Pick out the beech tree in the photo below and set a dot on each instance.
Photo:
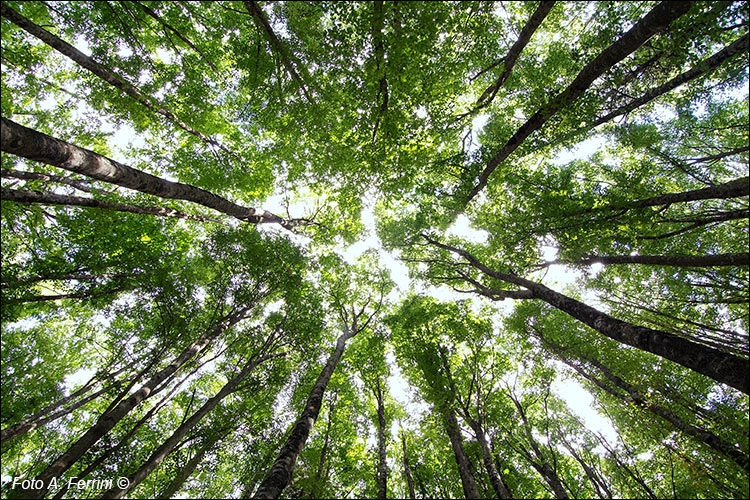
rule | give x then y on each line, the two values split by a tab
376	249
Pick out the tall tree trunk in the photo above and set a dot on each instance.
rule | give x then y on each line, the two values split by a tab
468	482
22	141
704	67
656	20
28	424
162	451
407	468
279	474
40	198
635	397
36	176
536	458
719	260
187	470
732	189
326	440
501	490
108	76
264	26
382	463
720	366
509	61
109	419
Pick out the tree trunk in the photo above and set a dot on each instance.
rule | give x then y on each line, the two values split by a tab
721	366
279	474
162	451
187	470
36	176
702	68
498	485
382	463
719	260
265	27
732	189
28	143
509	61
407	469
109	419
538	460
87	62
324	451
636	398
38	197
464	466
656	20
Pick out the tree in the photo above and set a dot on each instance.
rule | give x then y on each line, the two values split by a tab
202	202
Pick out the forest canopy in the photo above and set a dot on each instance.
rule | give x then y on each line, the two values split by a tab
375	249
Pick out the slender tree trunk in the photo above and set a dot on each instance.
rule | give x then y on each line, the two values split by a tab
109	419
279	474
124	441
38	197
76	295
407	468
36	176
468	482
28	143
704	67
723	367
719	260
264	26
600	486
108	76
732	189
636	398
31	423
187	470
656	20
382	463
509	61
324	451
162	451
498	485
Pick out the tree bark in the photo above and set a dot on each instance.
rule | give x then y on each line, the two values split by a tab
509	61
656	20
704	67
636	398
38	197
501	490
719	260
162	451
87	62
187	470
382	463
732	189
720	366
36	176
279	474
468	482
109	419
264	26
22	141
407	468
